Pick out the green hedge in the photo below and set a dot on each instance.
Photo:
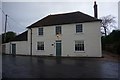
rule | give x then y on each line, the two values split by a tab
112	42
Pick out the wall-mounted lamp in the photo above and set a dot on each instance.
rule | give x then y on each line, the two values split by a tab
58	35
53	44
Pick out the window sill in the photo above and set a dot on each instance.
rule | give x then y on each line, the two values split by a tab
58	35
79	33
41	50
79	51
41	35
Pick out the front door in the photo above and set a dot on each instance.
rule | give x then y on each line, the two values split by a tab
58	48
13	49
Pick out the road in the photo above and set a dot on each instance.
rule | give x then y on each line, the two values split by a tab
0	66
51	67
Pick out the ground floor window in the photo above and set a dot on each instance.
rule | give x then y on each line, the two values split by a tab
40	45
79	45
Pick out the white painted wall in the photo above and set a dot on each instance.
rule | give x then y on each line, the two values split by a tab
91	35
7	48
21	47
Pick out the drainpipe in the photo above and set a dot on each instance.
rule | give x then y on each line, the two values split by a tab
10	49
30	41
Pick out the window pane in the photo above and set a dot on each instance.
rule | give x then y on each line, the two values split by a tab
79	45
79	28
40	30
40	46
58	30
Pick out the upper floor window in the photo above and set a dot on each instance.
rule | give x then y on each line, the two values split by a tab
40	31
79	28
58	30
79	45
40	45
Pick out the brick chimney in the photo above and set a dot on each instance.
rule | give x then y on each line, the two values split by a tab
95	10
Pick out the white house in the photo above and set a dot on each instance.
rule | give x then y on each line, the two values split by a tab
72	34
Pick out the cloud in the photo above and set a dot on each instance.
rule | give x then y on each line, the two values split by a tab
26	13
59	0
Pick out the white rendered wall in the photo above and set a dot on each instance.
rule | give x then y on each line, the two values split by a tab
91	35
21	47
7	48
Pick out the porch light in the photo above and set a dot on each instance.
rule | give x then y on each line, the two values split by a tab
58	35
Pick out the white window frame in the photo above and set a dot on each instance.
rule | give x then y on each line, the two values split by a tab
40	46
82	43
56	30
39	31
81	28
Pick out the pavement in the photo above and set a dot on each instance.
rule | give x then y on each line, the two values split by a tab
52	67
0	66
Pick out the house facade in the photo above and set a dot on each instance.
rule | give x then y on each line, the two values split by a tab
78	39
71	35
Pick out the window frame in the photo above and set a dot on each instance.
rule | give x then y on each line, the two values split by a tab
81	45
59	30
40	47
79	28
39	31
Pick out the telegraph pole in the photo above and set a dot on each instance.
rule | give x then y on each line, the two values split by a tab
5	27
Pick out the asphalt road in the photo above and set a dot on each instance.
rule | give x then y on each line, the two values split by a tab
51	67
0	66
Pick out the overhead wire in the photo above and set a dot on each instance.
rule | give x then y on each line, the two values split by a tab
18	24
15	21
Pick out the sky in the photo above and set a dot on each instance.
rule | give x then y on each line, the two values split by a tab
119	15
23	14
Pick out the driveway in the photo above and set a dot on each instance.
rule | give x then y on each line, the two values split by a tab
51	67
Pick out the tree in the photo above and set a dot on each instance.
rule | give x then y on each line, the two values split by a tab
108	22
9	36
111	42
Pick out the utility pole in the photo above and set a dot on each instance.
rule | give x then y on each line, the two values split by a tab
5	27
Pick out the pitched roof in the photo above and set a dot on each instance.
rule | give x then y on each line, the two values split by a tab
67	18
21	37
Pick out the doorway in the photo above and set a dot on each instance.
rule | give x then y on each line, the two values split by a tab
14	49
58	47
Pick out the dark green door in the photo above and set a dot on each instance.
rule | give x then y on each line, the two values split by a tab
13	49
58	48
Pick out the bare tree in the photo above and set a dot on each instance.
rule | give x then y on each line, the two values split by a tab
108	22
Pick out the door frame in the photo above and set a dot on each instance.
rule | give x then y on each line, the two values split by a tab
13	53
58	42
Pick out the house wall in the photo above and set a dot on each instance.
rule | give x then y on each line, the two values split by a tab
21	47
91	36
6	48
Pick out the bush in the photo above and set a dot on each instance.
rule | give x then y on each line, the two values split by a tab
111	42
116	47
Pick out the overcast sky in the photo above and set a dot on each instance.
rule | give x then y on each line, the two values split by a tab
26	13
